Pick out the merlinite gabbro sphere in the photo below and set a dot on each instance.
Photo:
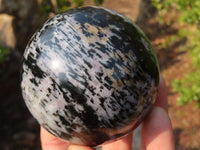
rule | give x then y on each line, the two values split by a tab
89	75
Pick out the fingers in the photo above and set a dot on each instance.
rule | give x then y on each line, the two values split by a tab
157	131
156	134
123	144
50	142
78	147
161	99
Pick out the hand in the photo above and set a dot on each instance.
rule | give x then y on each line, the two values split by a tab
156	131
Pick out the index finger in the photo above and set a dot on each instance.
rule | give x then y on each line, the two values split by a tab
161	99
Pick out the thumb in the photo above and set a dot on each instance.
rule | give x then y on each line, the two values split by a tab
157	131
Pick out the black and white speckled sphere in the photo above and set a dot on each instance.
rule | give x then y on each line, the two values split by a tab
89	75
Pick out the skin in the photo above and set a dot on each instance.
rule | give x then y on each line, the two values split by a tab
157	131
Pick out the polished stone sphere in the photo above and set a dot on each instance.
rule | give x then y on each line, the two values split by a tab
89	76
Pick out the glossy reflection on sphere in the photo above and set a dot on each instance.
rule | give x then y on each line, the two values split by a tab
89	76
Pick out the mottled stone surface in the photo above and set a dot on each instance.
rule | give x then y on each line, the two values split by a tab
89	75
